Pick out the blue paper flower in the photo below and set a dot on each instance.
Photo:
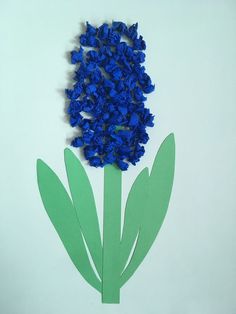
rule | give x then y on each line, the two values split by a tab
106	102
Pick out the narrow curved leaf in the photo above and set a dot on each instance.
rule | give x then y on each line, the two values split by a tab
160	186
83	200
135	208
63	216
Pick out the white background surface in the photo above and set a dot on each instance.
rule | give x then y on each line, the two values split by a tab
191	58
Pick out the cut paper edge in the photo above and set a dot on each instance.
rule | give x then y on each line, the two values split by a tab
111	235
84	203
131	253
134	211
63	216
160	187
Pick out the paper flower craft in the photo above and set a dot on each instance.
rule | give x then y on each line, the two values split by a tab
106	105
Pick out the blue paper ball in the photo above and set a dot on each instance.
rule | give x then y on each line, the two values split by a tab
107	100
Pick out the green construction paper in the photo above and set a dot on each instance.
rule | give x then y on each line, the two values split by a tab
76	221
133	215
84	203
111	235
159	191
64	218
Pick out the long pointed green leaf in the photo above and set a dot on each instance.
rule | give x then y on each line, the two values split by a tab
160	186
83	200
133	215
63	216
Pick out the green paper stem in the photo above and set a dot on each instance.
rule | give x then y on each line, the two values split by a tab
111	235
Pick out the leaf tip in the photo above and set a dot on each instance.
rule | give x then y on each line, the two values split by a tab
168	143
171	137
145	171
39	163
67	152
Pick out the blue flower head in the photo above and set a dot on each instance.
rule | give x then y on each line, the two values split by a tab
106	102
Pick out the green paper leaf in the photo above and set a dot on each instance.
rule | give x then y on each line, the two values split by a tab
64	218
134	211
83	200
160	186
